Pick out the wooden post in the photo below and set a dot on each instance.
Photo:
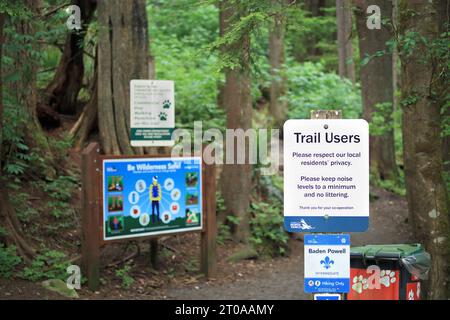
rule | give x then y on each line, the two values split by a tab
90	241
208	257
154	253
327	114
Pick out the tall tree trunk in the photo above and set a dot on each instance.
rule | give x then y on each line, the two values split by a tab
236	178
62	91
122	56
314	6
344	39
395	62
278	104
377	87
222	25
8	218
424	85
2	24
25	91
443	14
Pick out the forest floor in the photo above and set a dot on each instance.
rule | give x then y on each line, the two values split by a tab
178	278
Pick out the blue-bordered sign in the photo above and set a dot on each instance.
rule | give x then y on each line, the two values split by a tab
151	196
327	296
326	175
327	263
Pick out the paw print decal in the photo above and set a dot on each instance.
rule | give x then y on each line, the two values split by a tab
387	277
166	104
359	284
162	116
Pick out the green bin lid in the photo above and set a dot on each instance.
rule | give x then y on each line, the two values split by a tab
386	251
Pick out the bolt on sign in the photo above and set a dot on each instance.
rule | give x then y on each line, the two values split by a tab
151	196
327	263
152	114
326	175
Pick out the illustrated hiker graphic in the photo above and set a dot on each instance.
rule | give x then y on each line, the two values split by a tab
116	224
155	198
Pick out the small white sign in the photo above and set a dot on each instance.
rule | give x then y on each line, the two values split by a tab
326	175
152	114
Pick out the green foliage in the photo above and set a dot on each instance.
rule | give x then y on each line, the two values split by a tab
397	187
220	202
311	38
25	210
178	46
16	156
381	122
9	260
234	220
224	233
60	191
268	234
61	188
14	8
50	264
61	146
310	87
124	276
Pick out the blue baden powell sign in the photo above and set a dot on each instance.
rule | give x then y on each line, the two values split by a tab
326	175
327	263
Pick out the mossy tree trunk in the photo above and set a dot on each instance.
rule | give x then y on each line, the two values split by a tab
344	39
62	91
122	56
237	101
278	103
10	228
377	87
424	86
25	91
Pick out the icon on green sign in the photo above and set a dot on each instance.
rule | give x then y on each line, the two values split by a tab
166	104
162	116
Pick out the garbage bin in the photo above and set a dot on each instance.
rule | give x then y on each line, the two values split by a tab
387	272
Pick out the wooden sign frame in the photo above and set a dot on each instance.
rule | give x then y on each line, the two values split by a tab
92	215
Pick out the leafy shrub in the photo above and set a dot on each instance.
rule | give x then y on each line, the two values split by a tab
9	260
25	210
310	87
397	187
51	264
124	276
268	234
61	190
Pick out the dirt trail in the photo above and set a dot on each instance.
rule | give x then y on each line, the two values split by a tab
283	278
280	278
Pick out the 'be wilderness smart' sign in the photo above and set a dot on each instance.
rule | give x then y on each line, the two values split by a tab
326	175
151	196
